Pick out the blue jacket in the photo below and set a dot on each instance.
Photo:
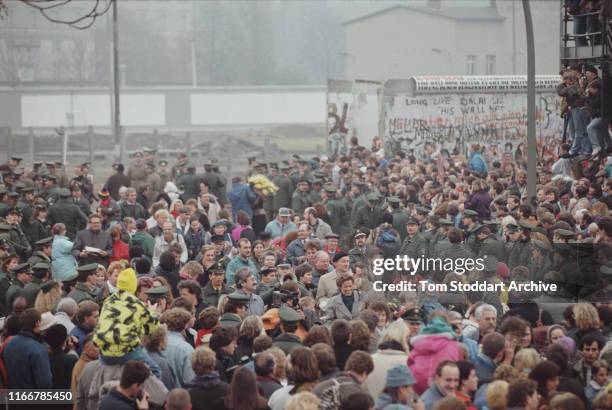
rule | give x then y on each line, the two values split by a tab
477	163
237	263
27	363
241	197
277	230
64	264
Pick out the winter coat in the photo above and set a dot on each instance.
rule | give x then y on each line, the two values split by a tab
480	202
383	361
145	241
336	309
242	196
477	163
124	320
205	389
432	345
61	364
64	264
27	363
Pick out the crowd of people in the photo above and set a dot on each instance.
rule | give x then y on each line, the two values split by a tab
166	287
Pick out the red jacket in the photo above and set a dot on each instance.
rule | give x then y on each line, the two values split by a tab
121	251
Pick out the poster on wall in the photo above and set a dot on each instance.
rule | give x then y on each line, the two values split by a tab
455	121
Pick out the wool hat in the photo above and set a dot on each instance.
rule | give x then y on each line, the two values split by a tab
400	375
127	281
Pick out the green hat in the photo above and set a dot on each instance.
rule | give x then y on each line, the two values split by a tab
360	232
413	315
491	223
564	233
27	189
239	297
541	245
470	212
163	163
70	278
44	241
41	266
5	227
89	268
22	268
19	186
393	200
64	193
512	227
330	189
490	263
47	285
526	225
412	220
288	315
423	210
372	196
446	222
477	228
158	291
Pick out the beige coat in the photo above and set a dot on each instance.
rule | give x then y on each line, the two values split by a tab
327	286
383	361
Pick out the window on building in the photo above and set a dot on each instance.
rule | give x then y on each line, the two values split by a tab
471	64
490	64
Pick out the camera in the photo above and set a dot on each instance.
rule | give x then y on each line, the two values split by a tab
282	296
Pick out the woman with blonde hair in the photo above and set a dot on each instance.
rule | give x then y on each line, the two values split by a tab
303	401
587	322
392	350
112	273
250	328
175	208
526	360
48	296
497	395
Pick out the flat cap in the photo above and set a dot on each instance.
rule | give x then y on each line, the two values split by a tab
44	241
90	267
339	255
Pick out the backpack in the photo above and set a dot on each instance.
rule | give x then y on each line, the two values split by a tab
332	396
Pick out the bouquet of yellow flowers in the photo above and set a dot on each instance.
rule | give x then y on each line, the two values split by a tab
262	184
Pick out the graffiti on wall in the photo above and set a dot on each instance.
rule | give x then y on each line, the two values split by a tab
454	121
338	122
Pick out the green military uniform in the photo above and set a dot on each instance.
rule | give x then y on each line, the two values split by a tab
5	284
520	252
538	268
37	257
492	246
337	211
16	287
82	292
154	182
190	184
357	204
315	191
137	175
415	246
400	217
230	320
30	291
300	201
287	342
282	197
164	174
67	213
367	217
491	297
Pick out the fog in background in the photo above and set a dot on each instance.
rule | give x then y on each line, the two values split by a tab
234	42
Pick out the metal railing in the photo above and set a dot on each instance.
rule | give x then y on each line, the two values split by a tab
575	46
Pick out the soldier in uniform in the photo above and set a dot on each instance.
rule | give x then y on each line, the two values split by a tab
489	243
86	283
26	205
470	223
359	253
359	197
189	183
211	293
17	237
41	273
136	172
368	216
149	155
79	200
521	250
443	243
42	252
415	245
3	206
235	309
219	187
178	168
153	181
491	297
60	173
282	198
316	191
421	214
287	341
22	275
85	181
337	211
67	213
300	199
302	172
400	216
540	263
164	174
456	249
12	164
50	192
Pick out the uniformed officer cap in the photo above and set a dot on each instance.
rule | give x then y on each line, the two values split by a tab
16	158
360	232
43	242
22	268
445	222
64	193
71	278
288	315
564	233
267	271
412	221
372	197
15	211
330	189
163	163
415	315
47	285
490	263
526	226
239	297
158	291
89	269
541	245
470	212
393	200
512	227
13	194
41	266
